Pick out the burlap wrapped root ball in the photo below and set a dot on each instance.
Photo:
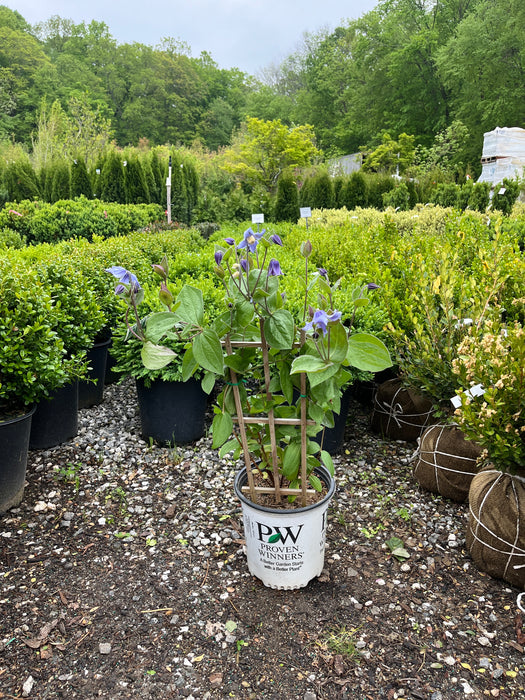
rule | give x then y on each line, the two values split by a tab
496	527
400	413
446	462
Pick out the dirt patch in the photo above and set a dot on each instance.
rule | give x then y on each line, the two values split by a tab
123	576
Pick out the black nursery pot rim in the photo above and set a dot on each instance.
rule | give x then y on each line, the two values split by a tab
28	411
241	479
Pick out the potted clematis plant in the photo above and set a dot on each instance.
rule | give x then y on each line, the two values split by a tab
172	411
282	373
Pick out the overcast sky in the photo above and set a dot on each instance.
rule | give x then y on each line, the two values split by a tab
246	34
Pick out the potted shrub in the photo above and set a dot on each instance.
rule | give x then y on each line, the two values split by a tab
262	353
33	363
172	406
445	306
491	369
77	318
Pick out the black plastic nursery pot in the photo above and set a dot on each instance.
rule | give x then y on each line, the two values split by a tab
14	446
90	393
333	438
171	413
56	419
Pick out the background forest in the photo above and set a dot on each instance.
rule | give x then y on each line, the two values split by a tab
420	78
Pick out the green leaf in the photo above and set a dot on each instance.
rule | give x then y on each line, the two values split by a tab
156	356
286	382
318	377
191	306
228	446
368	353
207	349
274	538
222	427
243	314
158	324
208	382
189	365
279	330
338	342
315	482
291	461
307	363
326	459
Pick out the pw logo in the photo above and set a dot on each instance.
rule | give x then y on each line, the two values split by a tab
272	535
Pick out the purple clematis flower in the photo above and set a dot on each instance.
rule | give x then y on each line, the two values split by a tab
276	239
218	256
229	241
372	285
251	239
244	264
322	272
321	320
274	269
124	277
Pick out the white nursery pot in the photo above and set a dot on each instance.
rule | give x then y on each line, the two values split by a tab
285	548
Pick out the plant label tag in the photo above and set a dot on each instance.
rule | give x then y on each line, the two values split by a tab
476	390
456	401
502	190
306	212
257	218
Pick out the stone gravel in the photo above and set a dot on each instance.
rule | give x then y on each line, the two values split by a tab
123	574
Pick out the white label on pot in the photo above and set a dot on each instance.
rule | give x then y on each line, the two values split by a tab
285	552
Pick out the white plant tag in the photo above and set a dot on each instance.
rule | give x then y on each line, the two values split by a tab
257	218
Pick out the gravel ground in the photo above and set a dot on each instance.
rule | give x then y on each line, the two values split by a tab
123	575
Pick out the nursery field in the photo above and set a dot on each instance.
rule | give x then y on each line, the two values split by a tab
123	571
124	576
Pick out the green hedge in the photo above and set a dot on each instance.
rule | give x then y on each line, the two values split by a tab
40	222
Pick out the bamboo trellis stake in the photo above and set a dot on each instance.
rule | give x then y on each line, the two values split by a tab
271	421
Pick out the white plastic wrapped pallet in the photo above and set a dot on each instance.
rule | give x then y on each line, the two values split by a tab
503	154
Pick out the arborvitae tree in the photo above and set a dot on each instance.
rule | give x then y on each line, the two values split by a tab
338	183
377	185
463	195
159	173
480	196
150	180
135	181
61	185
287	199
112	187
191	179
80	180
322	194
398	197
179	195
305	193
95	177
354	193
45	177
20	181
510	190
445	194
